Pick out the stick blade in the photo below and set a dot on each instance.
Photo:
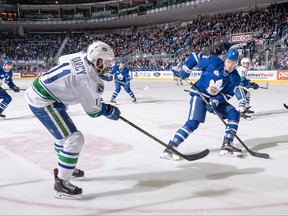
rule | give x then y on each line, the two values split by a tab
260	155
196	156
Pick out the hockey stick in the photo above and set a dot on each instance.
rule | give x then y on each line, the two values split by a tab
286	106
22	89
256	154
190	157
266	87
132	86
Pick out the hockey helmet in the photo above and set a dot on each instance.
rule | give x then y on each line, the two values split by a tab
8	62
121	61
245	60
232	54
99	50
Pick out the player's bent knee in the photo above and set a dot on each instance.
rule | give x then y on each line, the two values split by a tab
74	142
7	98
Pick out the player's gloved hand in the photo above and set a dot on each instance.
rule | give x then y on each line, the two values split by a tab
110	77
16	89
183	74
112	112
248	85
254	85
213	103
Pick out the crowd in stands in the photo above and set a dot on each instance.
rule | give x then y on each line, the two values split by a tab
155	45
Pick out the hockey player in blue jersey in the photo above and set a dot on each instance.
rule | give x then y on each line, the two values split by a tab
121	78
6	77
217	83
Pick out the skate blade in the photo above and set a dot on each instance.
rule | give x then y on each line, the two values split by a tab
230	154
248	119
60	195
74	178
170	158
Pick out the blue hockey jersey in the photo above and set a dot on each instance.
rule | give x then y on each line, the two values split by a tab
121	75
214	81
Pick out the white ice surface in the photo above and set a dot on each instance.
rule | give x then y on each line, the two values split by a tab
124	174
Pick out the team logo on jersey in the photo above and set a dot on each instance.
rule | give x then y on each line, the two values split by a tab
100	88
120	76
216	72
214	87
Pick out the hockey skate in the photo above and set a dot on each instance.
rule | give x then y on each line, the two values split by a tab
113	101
243	115
228	149
248	111
78	174
2	116
134	100
64	189
169	154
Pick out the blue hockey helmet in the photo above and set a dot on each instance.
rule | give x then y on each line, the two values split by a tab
7	62
232	54
121	61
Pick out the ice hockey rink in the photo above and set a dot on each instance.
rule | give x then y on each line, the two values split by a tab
124	173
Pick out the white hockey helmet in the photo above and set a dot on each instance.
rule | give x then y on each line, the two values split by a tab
245	60
100	50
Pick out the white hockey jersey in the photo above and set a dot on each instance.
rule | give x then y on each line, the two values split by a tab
242	71
72	81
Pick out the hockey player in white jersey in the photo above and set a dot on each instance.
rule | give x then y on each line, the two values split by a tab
175	69
75	80
242	93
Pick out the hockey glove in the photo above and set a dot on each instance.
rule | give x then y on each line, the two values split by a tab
245	83
15	89
254	85
112	112
110	77
213	103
